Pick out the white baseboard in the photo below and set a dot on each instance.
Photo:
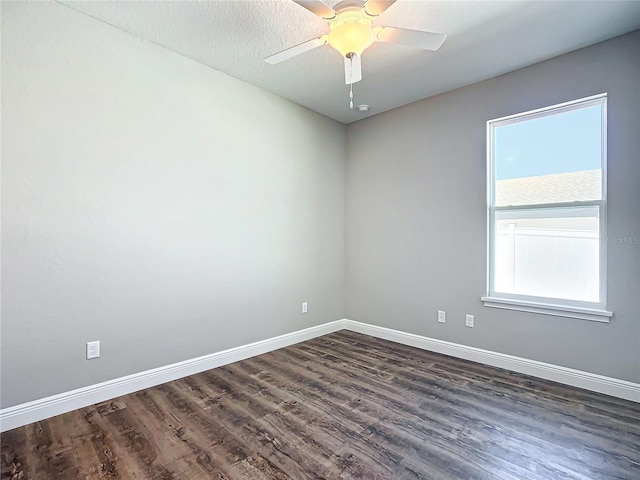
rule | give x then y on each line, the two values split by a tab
568	376
36	410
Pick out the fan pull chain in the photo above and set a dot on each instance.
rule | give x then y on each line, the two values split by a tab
351	97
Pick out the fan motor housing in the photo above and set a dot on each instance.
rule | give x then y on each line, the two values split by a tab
339	7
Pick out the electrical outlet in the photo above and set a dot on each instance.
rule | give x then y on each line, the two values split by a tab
469	321
93	349
304	307
442	317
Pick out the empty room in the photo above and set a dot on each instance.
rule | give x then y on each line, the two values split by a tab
288	239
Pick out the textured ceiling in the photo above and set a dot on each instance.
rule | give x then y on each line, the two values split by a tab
485	39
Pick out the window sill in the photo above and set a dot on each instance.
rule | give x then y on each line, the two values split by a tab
593	314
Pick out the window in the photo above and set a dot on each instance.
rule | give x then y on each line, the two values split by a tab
547	210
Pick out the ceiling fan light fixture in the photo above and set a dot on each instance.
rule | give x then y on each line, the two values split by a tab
352	37
351	31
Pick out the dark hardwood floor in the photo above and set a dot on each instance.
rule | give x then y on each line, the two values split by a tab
343	406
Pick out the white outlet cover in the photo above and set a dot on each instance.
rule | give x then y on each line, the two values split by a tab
93	349
442	316
304	307
469	321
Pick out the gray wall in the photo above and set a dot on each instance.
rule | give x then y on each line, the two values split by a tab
416	219
154	204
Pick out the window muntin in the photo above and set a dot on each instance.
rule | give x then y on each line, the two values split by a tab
546	206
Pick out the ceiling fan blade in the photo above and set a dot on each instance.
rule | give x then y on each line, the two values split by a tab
317	7
352	69
297	50
410	38
373	8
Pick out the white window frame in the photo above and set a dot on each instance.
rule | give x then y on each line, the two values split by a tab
596	311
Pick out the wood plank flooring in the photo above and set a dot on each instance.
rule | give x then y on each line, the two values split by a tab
343	406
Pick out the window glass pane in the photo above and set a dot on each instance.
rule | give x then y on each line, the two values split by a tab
550	159
550	252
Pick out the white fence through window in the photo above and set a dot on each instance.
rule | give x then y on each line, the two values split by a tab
549	263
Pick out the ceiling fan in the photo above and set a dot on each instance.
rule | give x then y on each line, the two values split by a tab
351	32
